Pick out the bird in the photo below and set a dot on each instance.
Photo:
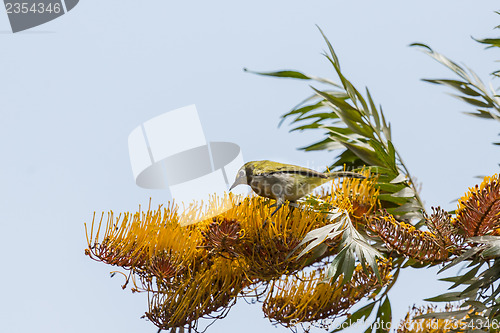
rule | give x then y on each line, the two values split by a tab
284	182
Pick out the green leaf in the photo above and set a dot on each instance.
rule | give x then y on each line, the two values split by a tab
453	279
319	235
366	154
383	154
399	179
492	42
293	75
466	255
348	264
373	111
461	86
410	206
360	314
443	60
330	47
347	158
343	109
404	193
473	101
327	144
390	198
391	188
492	245
443	315
478	305
320	115
283	73
466	278
384	316
303	109
335	268
480	114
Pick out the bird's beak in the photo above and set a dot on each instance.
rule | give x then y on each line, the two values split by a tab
238	181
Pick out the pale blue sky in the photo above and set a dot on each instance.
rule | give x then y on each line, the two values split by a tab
74	88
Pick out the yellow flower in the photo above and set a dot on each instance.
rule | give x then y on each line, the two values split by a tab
148	243
211	290
362	194
198	270
307	299
266	242
429	325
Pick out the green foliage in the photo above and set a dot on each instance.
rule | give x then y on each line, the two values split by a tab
353	245
354	126
469	87
480	284
357	129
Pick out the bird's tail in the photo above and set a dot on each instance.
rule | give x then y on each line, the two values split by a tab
346	174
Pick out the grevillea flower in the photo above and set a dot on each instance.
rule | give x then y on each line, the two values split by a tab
478	210
423	246
267	241
210	290
197	270
193	271
148	243
223	236
430	325
308	299
361	193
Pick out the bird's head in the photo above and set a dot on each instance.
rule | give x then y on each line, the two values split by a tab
244	174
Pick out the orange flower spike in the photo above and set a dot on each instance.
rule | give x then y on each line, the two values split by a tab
362	193
478	210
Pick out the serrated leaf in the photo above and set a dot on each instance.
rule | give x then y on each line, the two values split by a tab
319	235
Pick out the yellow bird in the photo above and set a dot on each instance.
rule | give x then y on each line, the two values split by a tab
282	182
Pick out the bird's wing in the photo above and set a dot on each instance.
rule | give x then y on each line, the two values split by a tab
270	167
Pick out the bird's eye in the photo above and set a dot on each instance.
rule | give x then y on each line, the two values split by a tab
241	173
